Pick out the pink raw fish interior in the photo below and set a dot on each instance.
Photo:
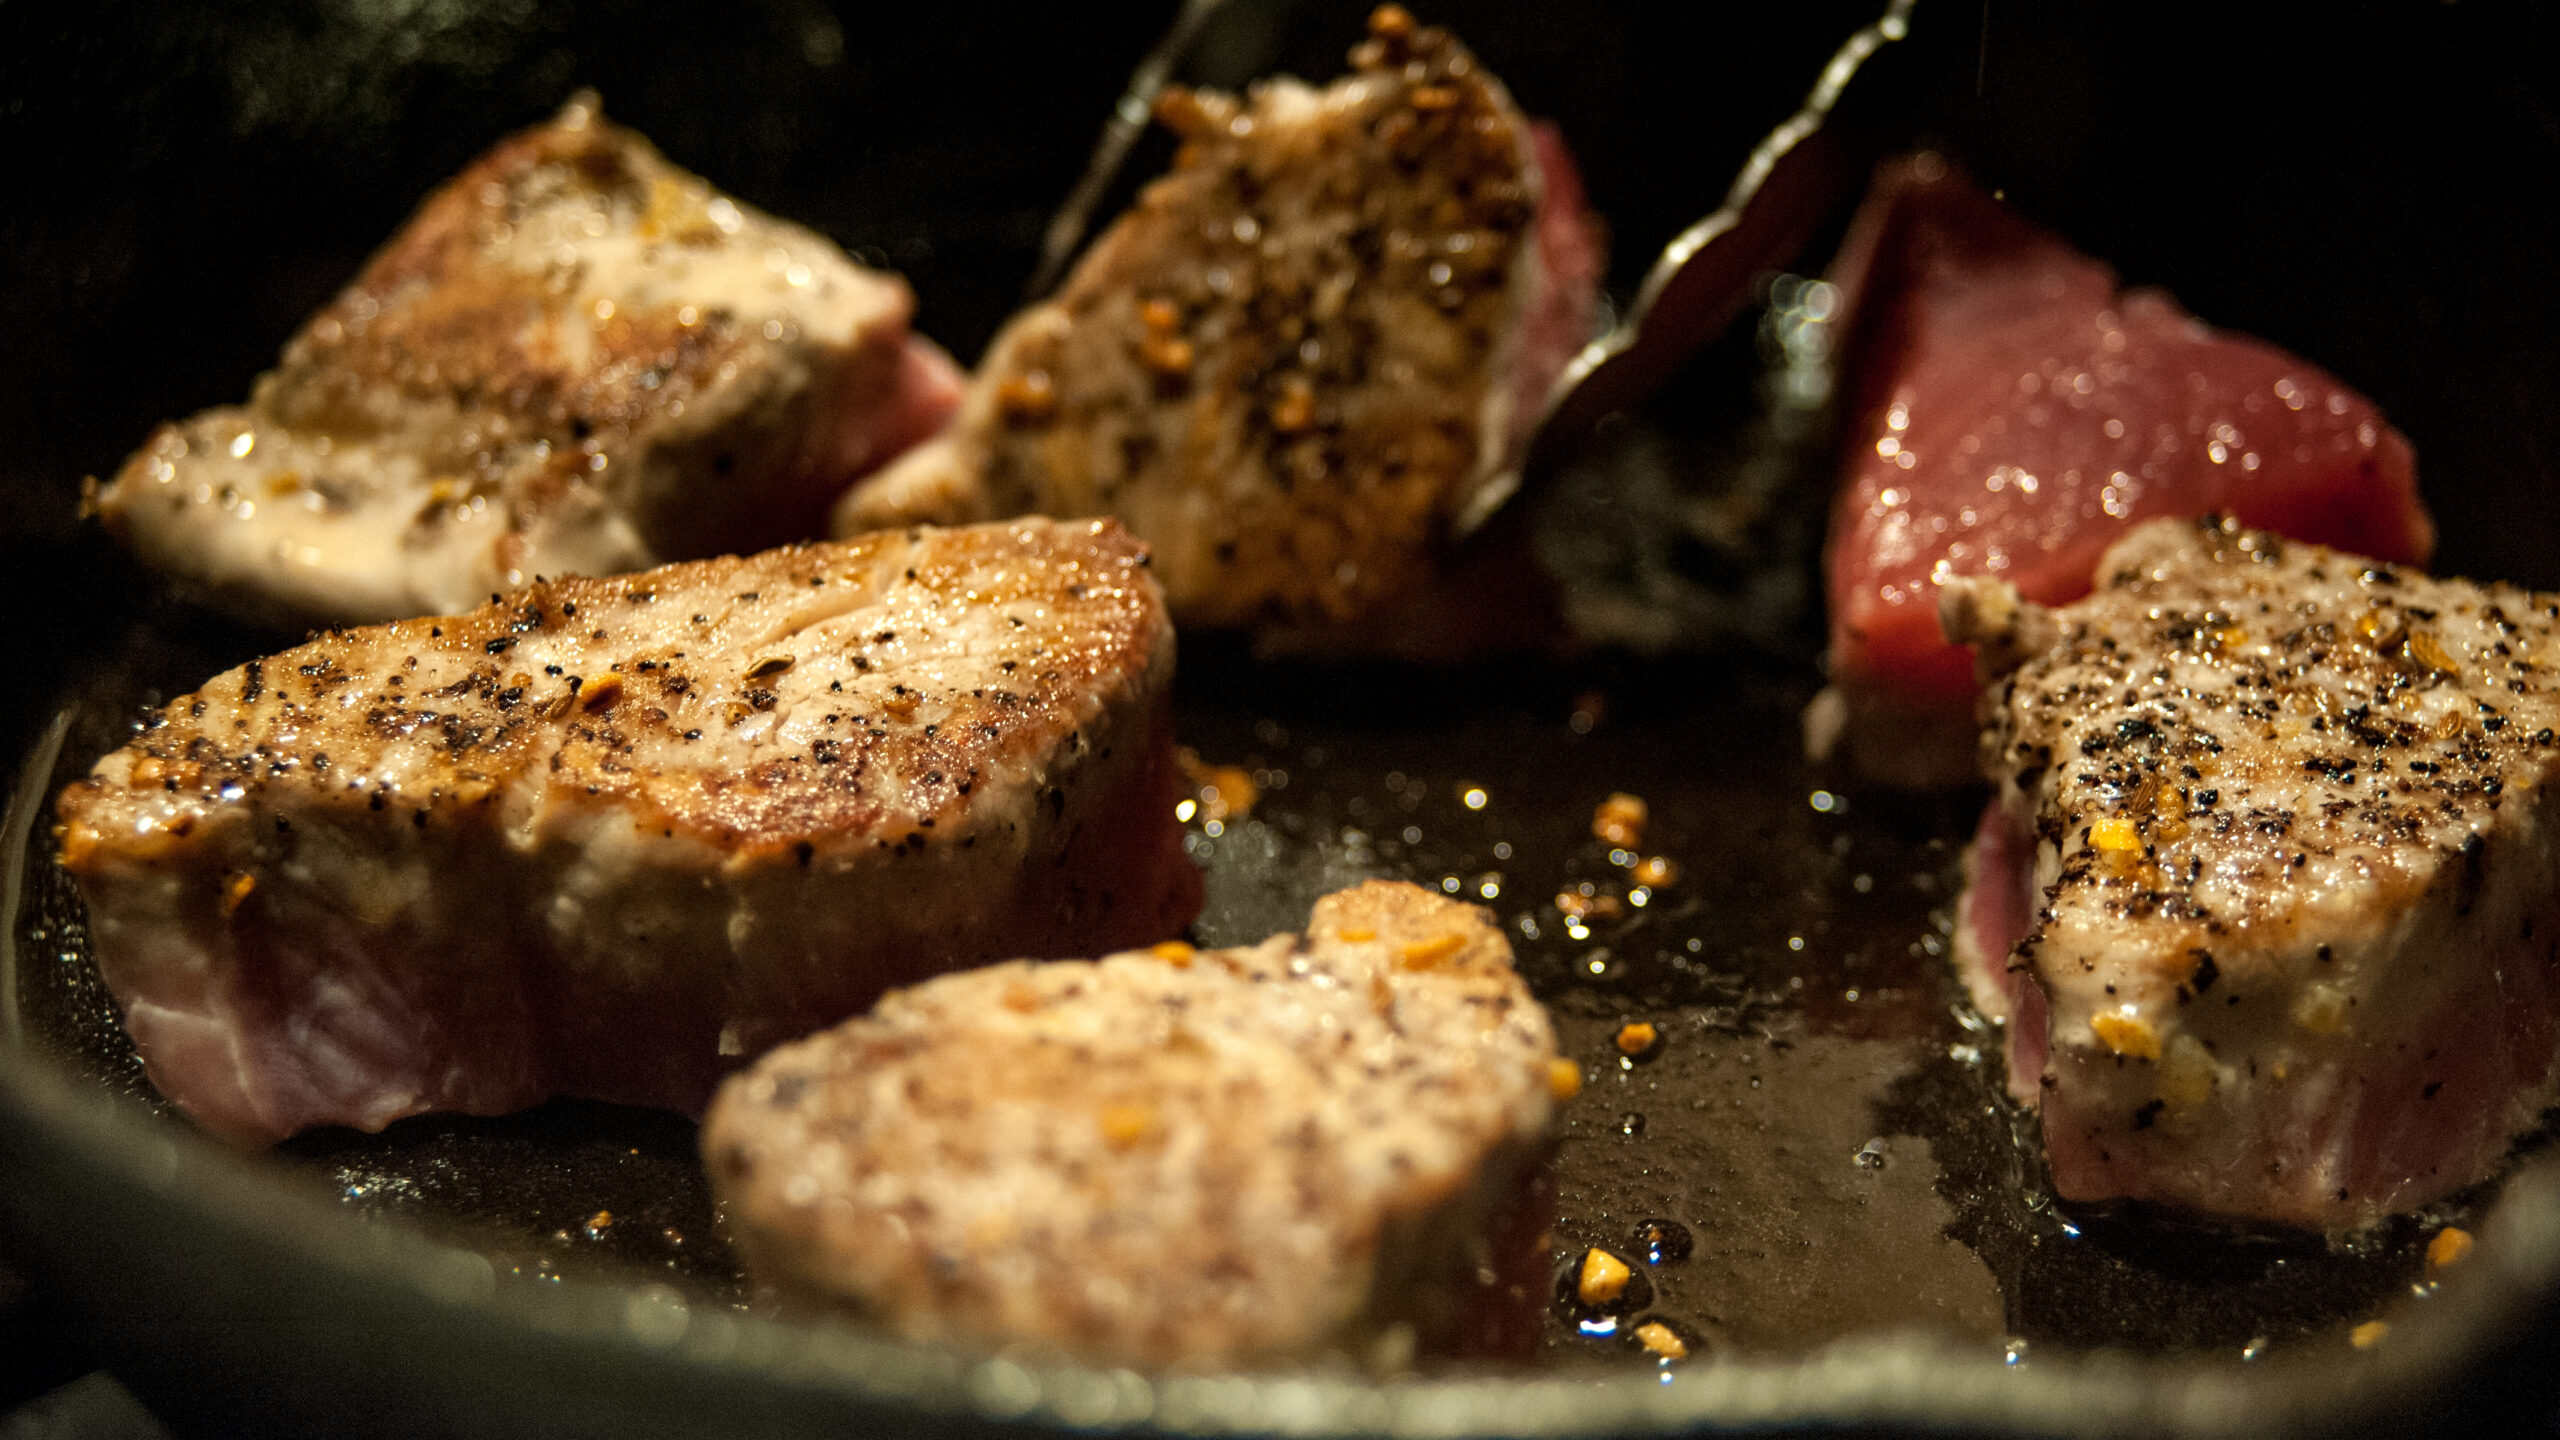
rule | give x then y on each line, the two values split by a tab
2014	413
1571	255
2425	1110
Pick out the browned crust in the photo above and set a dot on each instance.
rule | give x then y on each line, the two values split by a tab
577	389
313	721
1278	365
428	320
2307	699
1236	1179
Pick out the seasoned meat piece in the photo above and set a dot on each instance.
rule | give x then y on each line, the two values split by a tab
576	358
613	837
2012	414
1301	353
1161	1158
2270	893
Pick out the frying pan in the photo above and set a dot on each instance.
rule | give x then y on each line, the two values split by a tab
2373	186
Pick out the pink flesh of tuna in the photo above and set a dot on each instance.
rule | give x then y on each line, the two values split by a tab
2014	413
1571	255
2431	1112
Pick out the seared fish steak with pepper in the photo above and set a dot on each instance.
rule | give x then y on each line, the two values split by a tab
576	358
614	838
2269	896
1301	354
1164	1158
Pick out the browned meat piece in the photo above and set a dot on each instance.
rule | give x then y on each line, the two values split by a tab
614	837
1301	353
2270	894
1161	1158
576	359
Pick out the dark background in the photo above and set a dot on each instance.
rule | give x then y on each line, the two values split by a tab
2373	185
2376	186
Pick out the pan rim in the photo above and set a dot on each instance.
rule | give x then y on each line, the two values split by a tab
57	1127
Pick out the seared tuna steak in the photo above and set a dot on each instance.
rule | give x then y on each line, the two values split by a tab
614	837
1300	354
576	358
1161	1158
2270	893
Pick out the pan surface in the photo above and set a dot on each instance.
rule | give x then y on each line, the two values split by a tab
1869	1241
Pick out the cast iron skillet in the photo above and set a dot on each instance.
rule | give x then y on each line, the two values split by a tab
2374	189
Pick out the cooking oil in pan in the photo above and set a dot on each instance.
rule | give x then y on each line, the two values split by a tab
1789	1129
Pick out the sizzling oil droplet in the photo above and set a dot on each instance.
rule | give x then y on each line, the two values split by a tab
1663	1242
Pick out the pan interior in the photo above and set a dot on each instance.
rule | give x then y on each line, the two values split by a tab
1821	1118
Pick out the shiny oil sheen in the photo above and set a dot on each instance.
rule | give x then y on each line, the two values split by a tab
1818	1111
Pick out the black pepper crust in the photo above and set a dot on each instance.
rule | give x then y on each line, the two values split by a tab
1285	367
665	694
614	837
573	357
1173	1158
2275	839
2251	706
